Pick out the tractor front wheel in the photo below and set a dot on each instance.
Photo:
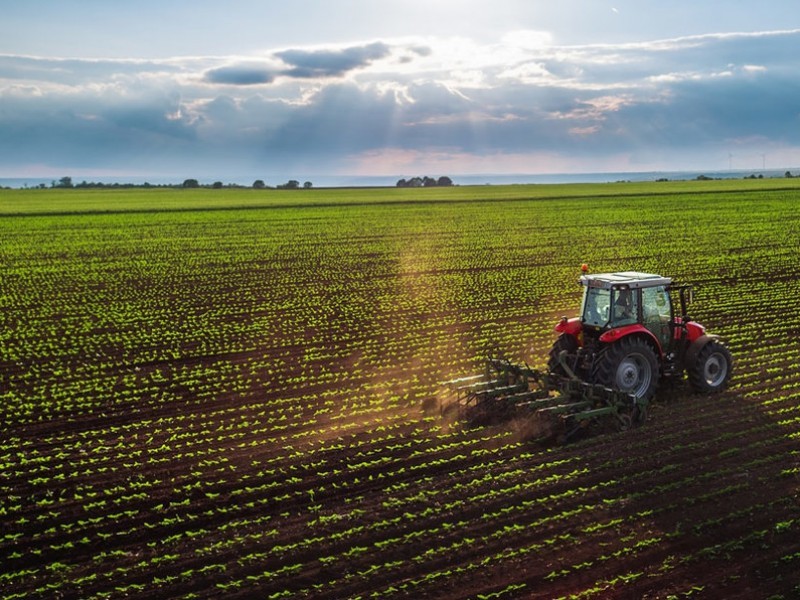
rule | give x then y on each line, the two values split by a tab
629	365
711	371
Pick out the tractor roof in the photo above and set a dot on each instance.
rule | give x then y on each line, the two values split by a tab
631	279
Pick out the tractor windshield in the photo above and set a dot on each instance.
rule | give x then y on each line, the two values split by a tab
596	303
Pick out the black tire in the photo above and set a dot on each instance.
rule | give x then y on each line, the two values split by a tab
711	371
629	365
567	342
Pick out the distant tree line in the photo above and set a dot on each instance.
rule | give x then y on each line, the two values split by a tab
751	176
414	182
258	184
787	175
293	184
66	182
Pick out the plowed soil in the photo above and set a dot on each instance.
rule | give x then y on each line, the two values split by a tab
246	405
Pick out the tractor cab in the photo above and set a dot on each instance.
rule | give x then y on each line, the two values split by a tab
614	300
631	333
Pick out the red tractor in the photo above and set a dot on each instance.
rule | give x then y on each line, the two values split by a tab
631	333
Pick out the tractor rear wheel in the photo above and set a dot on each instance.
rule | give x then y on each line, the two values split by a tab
711	371
563	342
629	365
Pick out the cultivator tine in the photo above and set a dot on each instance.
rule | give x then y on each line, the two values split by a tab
559	406
462	382
569	408
498	391
495	393
525	399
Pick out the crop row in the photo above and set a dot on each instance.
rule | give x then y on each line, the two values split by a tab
229	403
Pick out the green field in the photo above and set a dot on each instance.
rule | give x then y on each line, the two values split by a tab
58	201
222	393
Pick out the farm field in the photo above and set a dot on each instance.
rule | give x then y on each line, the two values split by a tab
232	394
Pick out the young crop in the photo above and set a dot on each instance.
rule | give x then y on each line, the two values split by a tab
236	395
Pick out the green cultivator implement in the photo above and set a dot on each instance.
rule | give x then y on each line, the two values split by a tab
557	407
633	333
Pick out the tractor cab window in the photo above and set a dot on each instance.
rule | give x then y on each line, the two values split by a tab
596	303
625	304
657	312
655	302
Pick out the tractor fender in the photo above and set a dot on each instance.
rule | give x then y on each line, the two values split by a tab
571	326
696	346
694	330
613	335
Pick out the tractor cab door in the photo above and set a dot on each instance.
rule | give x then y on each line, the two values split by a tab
657	314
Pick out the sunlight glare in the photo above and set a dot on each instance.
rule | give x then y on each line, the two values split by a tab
528	39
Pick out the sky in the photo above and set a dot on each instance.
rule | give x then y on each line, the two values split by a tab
281	90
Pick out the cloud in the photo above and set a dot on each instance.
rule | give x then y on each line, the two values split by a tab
301	64
329	108
240	75
331	63
76	72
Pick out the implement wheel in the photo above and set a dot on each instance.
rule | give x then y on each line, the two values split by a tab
628	365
